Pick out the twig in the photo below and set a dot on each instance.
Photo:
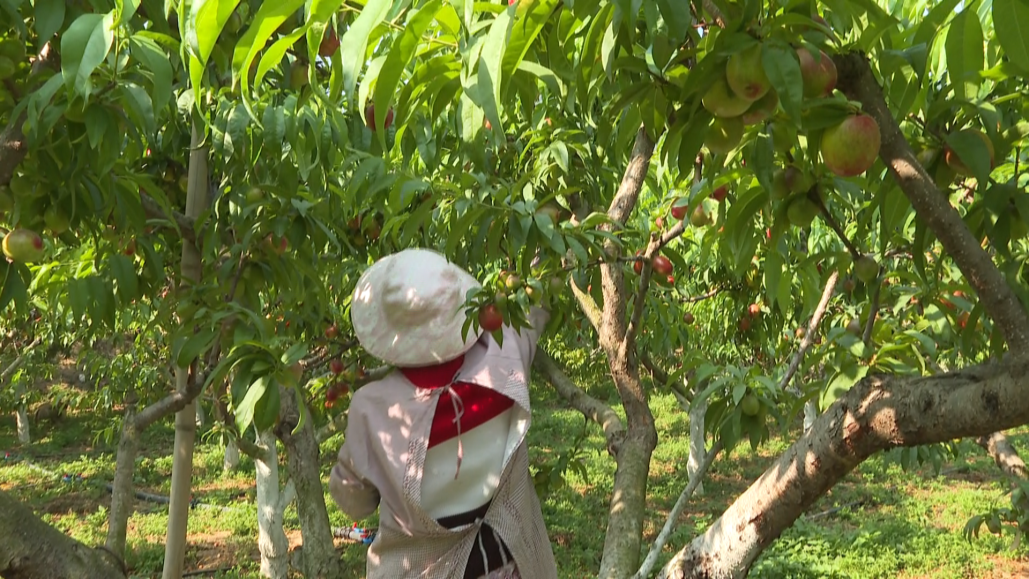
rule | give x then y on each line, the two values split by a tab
812	327
706	296
676	512
873	311
19	360
813	195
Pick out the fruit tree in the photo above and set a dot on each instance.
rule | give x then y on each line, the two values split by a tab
766	208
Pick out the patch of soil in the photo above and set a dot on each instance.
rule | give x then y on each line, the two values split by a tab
218	550
75	502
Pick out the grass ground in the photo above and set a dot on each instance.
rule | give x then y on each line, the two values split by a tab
907	526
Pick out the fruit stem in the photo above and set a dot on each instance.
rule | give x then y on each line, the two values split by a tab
813	195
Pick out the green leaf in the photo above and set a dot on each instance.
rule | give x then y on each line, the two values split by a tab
783	70
490	69
844	380
125	10
969	148
1011	24
83	47
206	20
354	43
156	60
965	57
398	58
248	405
268	19
527	26
14	288
677	18
266	411
49	19
194	346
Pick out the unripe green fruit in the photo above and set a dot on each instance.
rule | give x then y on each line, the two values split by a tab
724	135
722	102
866	268
745	74
780	190
750	405
23	245
56	221
7	68
801	212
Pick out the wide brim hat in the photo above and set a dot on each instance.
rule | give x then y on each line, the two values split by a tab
408	309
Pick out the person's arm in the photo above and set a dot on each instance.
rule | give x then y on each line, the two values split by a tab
356	496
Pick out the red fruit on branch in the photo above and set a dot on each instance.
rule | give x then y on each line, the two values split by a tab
490	318
336	366
662	265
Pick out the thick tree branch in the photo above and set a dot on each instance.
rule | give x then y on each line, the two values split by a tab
170	404
676	512
857	82
1004	454
588	306
32	549
592	408
812	328
878	413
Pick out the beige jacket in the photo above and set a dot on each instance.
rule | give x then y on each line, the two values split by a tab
381	461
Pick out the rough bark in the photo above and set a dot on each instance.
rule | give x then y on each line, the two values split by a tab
592	408
320	559
122	497
629	493
698	450
271	539
123	487
1003	453
197	198
877	414
231	459
32	549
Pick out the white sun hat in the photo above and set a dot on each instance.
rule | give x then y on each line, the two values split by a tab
408	309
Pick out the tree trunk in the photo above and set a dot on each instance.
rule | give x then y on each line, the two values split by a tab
32	549
271	539
623	539
698	450
201	418
185	419
22	415
320	559
231	460
123	491
878	413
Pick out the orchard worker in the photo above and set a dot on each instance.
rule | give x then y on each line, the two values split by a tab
439	445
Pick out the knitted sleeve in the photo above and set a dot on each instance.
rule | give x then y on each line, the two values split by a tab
356	496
